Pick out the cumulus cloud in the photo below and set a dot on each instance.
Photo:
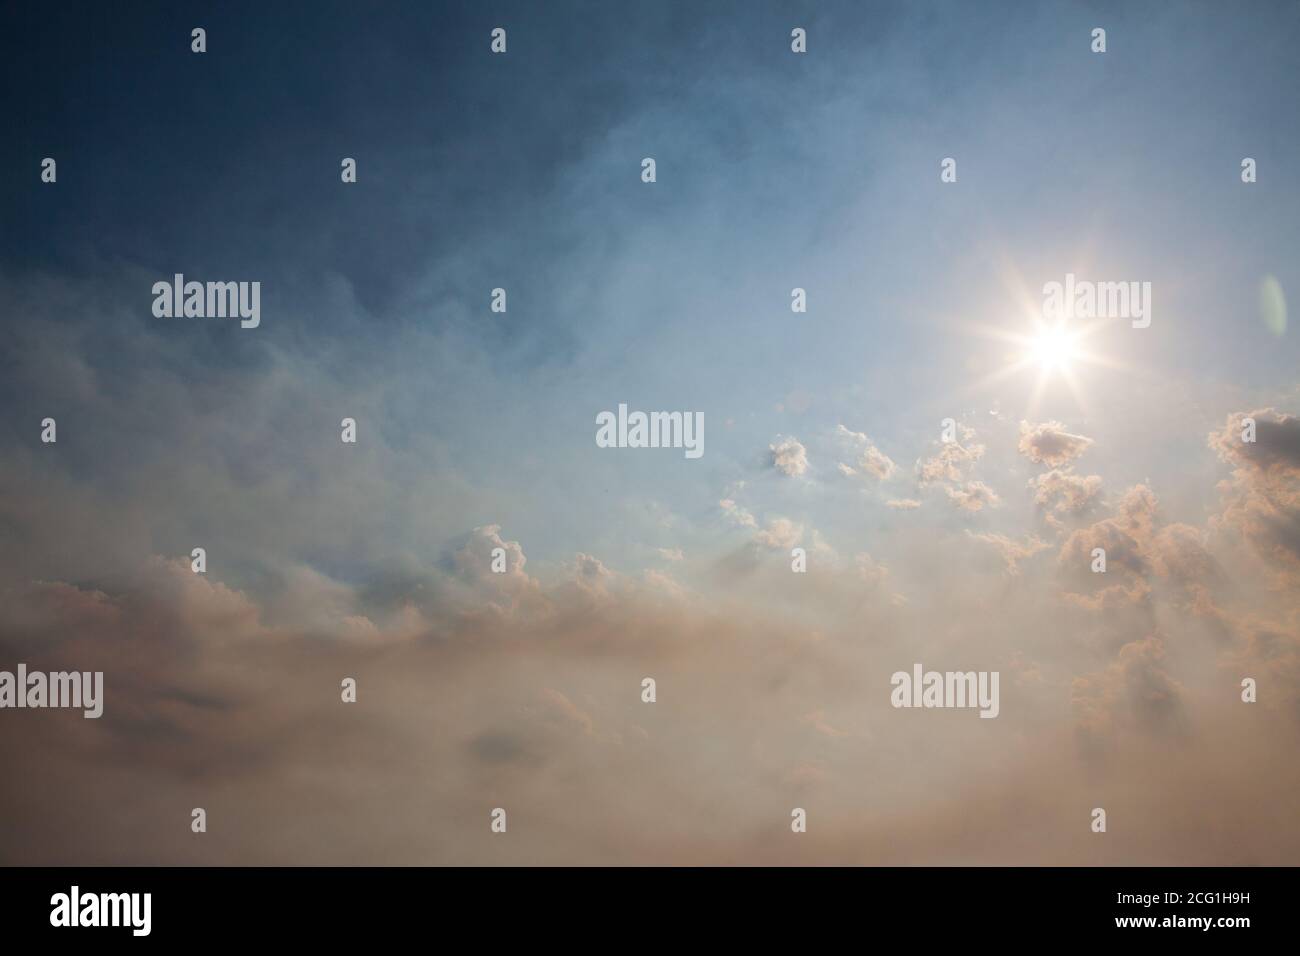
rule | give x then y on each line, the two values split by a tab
1275	450
590	573
1011	551
952	462
1065	492
867	458
1261	500
950	468
1143	552
973	496
474	558
788	456
1125	535
1048	443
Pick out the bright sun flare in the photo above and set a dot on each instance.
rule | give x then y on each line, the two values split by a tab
1052	349
1058	354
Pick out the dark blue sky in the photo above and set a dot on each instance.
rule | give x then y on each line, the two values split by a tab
522	171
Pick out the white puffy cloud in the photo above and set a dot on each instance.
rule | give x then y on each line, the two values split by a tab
867	458
788	456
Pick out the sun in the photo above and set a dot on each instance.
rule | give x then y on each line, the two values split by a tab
1053	348
1056	353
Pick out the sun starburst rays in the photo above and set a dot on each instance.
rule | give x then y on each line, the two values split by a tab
1054	351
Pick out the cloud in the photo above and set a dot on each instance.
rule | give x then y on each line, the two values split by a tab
1145	553
474	558
973	496
591	574
659	580
1275	450
1267	648
950	469
1049	443
869	460
542	707
1012	552
903	504
1125	536
473	563
1261	500
737	514
877	577
952	462
789	456
780	534
1065	492
565	711
1135	692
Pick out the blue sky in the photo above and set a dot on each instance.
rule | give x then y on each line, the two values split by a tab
774	171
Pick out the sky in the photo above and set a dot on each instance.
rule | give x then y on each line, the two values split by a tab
823	430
